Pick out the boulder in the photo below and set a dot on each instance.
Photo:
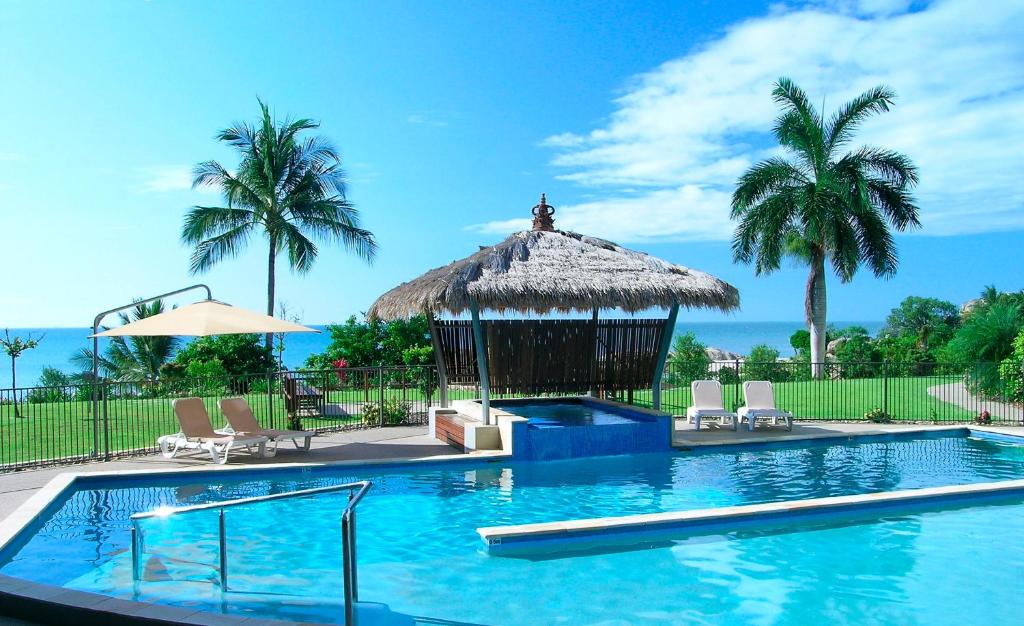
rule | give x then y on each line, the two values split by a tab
716	354
830	349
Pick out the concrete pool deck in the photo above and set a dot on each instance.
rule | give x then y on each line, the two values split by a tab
685	436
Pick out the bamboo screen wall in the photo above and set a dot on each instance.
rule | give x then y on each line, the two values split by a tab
555	356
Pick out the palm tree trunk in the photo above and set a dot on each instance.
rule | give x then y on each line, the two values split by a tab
814	309
271	262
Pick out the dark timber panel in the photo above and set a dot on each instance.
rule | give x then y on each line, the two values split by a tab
555	356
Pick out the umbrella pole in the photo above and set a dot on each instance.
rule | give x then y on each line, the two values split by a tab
96	353
481	363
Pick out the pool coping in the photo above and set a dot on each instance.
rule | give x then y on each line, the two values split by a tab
530	538
37	601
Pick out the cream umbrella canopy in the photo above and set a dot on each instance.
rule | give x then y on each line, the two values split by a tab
205	318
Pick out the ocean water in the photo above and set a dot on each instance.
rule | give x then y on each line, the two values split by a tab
59	344
419	550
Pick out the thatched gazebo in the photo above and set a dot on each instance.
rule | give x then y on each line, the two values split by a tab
544	270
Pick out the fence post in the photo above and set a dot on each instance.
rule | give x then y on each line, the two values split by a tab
380	410
270	400
885	388
106	423
736	388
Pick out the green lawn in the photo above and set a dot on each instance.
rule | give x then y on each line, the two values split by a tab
908	399
65	429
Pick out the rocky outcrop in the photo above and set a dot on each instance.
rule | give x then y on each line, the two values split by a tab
716	354
969	306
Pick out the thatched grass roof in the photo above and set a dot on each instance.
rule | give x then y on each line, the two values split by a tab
545	270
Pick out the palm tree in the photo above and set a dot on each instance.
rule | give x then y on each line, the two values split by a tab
131	359
822	205
291	190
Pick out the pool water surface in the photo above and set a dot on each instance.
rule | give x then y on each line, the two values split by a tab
419	552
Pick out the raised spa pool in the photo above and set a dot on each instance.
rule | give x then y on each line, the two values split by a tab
562	413
419	552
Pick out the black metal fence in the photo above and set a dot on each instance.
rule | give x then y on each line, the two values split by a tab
855	391
73	423
52	425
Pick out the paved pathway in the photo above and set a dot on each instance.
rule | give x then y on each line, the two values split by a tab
957	393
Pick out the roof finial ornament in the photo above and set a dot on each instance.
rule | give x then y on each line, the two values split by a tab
542	215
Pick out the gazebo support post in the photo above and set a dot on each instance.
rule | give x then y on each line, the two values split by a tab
442	370
593	362
666	345
481	363
96	361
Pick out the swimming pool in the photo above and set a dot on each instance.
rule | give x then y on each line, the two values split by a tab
419	552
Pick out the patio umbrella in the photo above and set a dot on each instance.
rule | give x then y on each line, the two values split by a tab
205	318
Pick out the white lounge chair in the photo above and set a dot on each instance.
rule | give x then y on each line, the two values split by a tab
242	422
708	404
760	405
197	434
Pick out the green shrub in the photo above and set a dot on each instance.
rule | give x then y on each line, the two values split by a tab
53	387
878	416
689	361
241	356
372	343
763	364
395	412
207	377
801	342
1011	371
858	357
727	375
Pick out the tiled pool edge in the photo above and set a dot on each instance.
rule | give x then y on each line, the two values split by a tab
509	540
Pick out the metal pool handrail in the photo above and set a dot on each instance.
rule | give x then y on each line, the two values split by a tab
348	533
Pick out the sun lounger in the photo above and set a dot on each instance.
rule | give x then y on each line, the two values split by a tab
760	405
708	404
243	422
197	434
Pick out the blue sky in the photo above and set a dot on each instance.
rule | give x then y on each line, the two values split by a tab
452	117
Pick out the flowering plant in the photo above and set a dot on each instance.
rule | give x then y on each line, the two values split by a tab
339	369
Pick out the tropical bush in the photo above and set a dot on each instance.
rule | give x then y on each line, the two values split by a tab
372	343
689	360
727	375
393	411
54	386
1011	371
859	357
763	364
238	354
986	338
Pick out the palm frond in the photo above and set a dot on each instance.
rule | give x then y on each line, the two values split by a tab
211	251
845	121
202	222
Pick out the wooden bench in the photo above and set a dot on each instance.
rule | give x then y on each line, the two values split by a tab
451	429
302	399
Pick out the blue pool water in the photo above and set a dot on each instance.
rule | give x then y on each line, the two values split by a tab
569	413
419	552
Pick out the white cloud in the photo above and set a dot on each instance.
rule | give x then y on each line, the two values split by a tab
686	213
684	131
